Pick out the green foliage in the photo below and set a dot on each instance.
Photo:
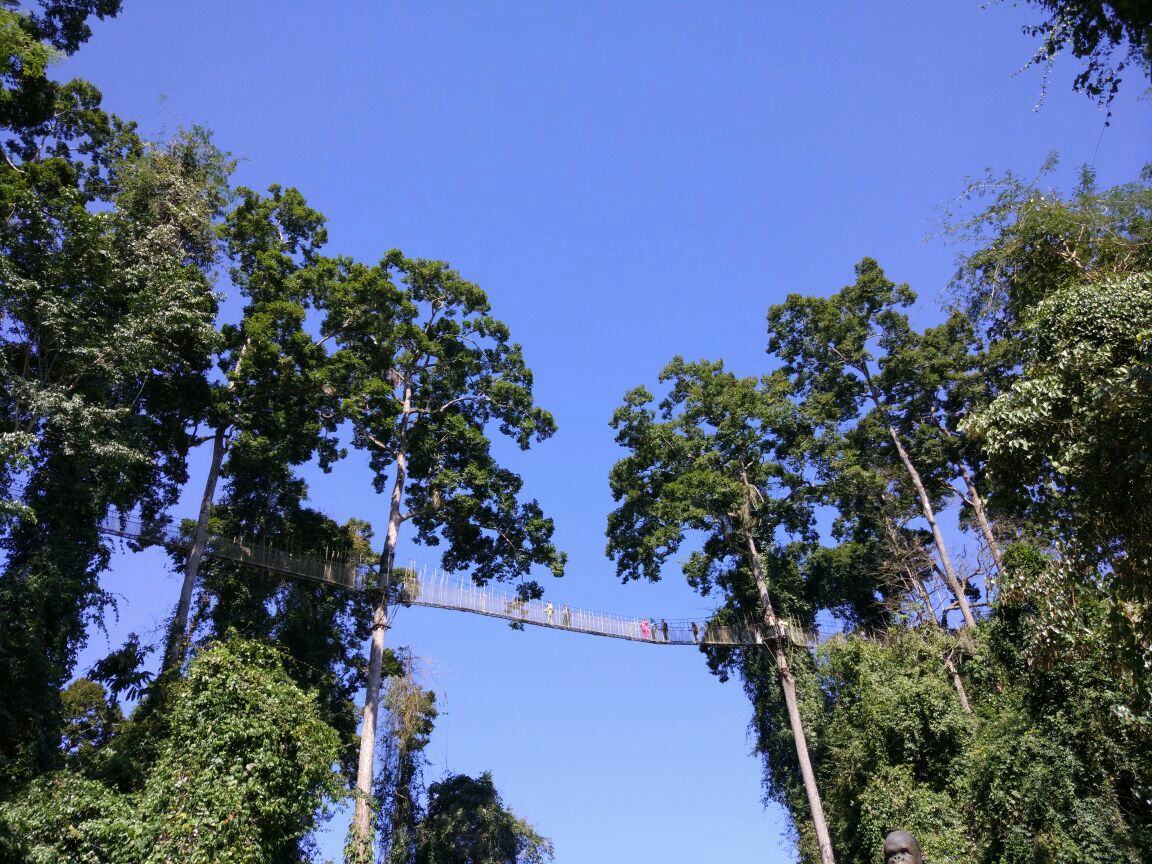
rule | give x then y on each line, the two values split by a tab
467	823
248	761
425	372
411	715
29	41
107	314
1052	766
90	720
63	818
108	321
888	750
691	460
1064	285
244	767
1108	35
1069	442
1028	242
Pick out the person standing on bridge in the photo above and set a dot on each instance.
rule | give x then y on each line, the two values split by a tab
548	611
695	633
566	617
664	629
643	628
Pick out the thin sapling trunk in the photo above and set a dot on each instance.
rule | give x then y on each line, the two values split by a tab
178	635
977	504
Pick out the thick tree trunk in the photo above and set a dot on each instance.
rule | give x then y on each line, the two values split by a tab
178	635
362	818
977	504
788	685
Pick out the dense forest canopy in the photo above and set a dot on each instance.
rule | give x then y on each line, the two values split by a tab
999	711
964	503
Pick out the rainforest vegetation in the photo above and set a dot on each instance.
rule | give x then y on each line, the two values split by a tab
965	505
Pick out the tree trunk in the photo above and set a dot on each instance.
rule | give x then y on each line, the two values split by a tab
362	818
958	683
982	519
788	685
953	672
926	508
178	635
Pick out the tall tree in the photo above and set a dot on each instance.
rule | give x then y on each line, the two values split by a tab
935	380
704	461
1059	286
107	314
828	348
1071	440
425	373
270	399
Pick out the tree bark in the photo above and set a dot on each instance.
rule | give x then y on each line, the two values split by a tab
926	508
982	519
788	685
362	817
178	635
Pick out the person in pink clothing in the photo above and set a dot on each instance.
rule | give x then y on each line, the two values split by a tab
644	628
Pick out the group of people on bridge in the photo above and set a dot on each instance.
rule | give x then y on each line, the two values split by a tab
646	629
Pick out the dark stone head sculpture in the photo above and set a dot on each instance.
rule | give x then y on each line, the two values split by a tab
900	847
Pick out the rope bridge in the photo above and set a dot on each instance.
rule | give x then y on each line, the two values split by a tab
420	586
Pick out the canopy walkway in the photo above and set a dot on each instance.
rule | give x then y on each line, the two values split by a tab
417	585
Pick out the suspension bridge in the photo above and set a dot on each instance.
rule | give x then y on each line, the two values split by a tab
418	585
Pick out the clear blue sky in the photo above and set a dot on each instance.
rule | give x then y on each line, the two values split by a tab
628	181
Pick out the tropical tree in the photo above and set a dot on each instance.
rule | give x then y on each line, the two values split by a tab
828	348
1059	286
1069	442
704	462
245	764
425	373
467	823
268	405
107	312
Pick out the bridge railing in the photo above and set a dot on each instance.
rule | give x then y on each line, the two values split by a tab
421	586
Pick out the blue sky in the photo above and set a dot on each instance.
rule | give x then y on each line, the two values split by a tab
628	181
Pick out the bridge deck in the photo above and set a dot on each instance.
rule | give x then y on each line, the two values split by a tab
421	586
